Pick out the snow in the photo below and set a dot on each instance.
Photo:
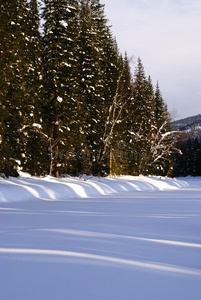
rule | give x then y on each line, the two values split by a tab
37	125
66	64
103	238
59	99
64	23
28	188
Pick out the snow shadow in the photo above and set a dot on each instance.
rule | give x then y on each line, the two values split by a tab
52	189
98	259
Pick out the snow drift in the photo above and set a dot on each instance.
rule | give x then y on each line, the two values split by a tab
48	188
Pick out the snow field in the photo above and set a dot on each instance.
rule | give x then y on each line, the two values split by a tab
112	238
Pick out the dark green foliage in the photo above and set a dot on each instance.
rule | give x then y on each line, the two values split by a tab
34	148
143	122
120	145
68	100
97	78
11	83
163	144
35	159
59	62
143	132
189	163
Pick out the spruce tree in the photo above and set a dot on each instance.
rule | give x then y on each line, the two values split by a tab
59	82
12	39
121	139
96	93
143	120
163	142
35	155
189	163
198	155
68	100
161	111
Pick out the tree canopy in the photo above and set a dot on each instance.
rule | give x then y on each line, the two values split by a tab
69	102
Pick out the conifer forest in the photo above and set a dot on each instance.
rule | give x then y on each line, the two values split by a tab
69	103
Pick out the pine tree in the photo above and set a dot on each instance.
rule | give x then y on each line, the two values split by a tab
35	155
59	83
189	163
163	142
198	155
121	139
143	121
68	102
96	93
11	82
161	111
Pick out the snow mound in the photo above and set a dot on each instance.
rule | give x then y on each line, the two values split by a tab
28	188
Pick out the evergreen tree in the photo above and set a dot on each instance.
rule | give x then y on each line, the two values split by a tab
143	100
143	121
12	41
161	113
194	156
163	140
189	163
121	139
35	156
96	91
59	82
68	102
198	158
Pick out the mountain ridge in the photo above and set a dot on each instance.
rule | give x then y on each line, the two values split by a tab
190	124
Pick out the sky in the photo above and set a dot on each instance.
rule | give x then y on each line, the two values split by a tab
166	35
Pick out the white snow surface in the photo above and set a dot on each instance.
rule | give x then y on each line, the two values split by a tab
104	238
27	188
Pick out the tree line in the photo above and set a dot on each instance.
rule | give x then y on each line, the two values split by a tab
69	103
189	163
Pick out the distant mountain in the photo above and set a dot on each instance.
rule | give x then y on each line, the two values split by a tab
191	125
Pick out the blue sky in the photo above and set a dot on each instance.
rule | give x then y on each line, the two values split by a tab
166	34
